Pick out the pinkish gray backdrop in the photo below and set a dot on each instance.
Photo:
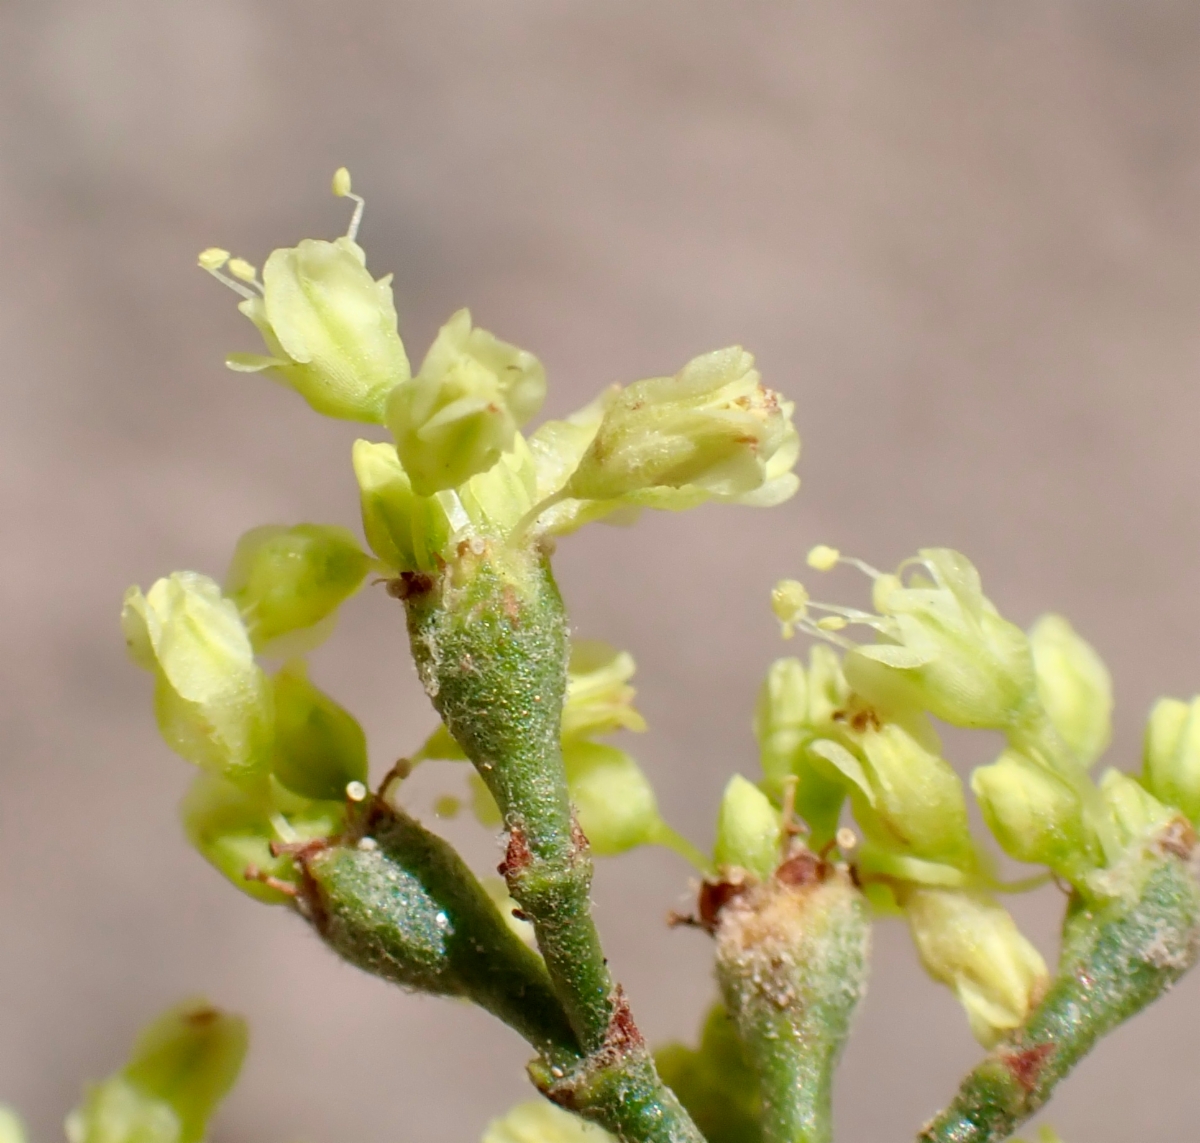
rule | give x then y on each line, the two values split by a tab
965	237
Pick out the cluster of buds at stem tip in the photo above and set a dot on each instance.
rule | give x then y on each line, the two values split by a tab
458	465
278	755
182	1066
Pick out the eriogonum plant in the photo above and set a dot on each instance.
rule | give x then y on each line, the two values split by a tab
855	813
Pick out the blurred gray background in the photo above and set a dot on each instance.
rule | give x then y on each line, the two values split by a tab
964	237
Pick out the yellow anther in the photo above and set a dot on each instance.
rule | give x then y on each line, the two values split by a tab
823	557
213	258
789	601
341	182
240	268
832	623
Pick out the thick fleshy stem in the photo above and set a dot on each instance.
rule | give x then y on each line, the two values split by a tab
1117	958
489	637
396	900
792	958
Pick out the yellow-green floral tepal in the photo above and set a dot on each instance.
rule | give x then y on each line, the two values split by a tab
616	804
599	697
232	826
946	648
712	431
406	531
182	1066
1171	755
330	329
462	409
749	830
212	701
1074	686
967	941
1035	815
12	1130
319	746
289	582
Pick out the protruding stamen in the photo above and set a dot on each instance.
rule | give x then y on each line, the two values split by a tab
833	623
213	258
242	270
846	838
356	791
341	188
789	601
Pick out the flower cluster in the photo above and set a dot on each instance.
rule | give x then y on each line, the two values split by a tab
457	464
855	729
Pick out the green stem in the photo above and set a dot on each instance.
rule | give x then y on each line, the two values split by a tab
792	965
397	901
489	637
1117	958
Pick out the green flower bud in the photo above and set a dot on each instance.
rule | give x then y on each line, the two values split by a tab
232	827
291	580
1035	815
212	702
599	697
182	1066
749	830
1136	812
968	942
948	650
794	707
329	327
319	746
1171	756
616	804
906	797
462	410
408	532
1074	686
712	431
12	1130
540	1121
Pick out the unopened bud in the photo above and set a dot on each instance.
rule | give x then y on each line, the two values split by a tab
1074	686
408	532
1034	815
968	942
749	830
712	427
1171	757
462	410
292	580
212	701
1137	813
